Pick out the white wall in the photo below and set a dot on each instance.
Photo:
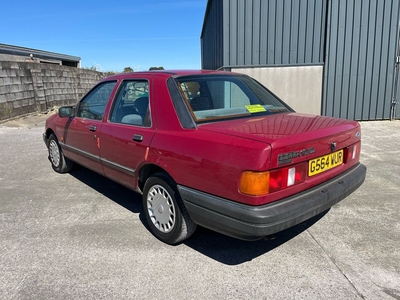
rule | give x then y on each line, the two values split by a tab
299	87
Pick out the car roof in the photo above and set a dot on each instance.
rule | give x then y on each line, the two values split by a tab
168	73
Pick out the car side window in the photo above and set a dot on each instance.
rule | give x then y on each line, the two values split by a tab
131	105
94	103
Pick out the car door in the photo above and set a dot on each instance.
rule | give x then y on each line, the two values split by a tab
81	134
125	138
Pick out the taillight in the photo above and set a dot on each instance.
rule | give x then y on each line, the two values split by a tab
262	183
254	183
352	152
286	177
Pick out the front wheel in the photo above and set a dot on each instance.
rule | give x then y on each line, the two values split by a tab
59	162
165	212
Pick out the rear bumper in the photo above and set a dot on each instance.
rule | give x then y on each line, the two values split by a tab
254	222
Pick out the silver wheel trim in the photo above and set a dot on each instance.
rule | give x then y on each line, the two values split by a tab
54	153
161	209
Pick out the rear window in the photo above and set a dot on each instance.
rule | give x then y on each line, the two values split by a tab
213	97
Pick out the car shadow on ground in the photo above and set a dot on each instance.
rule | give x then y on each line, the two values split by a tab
231	251
224	249
112	190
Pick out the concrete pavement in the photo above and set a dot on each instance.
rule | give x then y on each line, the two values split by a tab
81	236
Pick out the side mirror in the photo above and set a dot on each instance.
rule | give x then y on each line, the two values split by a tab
66	111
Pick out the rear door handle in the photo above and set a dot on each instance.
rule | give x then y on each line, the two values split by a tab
92	128
137	137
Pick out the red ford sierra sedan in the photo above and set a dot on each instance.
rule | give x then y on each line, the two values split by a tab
208	148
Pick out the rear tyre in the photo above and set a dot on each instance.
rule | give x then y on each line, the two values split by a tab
165	212
59	162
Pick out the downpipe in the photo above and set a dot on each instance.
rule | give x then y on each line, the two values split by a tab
393	104
393	109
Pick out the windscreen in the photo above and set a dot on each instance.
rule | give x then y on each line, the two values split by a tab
213	97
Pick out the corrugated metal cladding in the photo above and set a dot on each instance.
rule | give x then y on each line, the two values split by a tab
264	32
211	38
360	61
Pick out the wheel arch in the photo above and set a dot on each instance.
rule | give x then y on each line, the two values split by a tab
49	132
147	171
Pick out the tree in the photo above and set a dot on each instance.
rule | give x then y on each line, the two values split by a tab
109	73
128	70
93	68
156	68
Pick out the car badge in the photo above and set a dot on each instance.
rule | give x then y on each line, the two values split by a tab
287	158
333	146
358	134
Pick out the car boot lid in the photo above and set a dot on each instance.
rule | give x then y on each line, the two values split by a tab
298	136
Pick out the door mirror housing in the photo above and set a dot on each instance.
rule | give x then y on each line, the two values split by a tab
66	111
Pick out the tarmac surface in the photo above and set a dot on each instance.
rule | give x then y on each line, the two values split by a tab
81	236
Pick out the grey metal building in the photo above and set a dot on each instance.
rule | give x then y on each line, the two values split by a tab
332	57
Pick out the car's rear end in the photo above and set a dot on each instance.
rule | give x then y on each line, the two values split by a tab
312	161
305	151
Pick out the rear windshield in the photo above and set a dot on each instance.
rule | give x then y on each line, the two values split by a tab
213	97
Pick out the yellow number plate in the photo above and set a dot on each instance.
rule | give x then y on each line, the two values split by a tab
325	163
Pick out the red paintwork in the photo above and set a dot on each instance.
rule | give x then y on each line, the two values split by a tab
212	157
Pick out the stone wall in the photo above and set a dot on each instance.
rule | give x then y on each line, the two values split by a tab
27	87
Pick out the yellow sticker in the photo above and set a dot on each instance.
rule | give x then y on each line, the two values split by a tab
255	108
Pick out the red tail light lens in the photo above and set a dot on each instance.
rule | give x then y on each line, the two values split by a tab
353	152
286	177
262	183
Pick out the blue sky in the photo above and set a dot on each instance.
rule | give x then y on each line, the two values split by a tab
110	34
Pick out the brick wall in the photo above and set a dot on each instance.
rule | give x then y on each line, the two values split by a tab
27	87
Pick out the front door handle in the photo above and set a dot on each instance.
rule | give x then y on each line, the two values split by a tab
137	137
92	128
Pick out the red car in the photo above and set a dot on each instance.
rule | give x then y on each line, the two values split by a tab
208	148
